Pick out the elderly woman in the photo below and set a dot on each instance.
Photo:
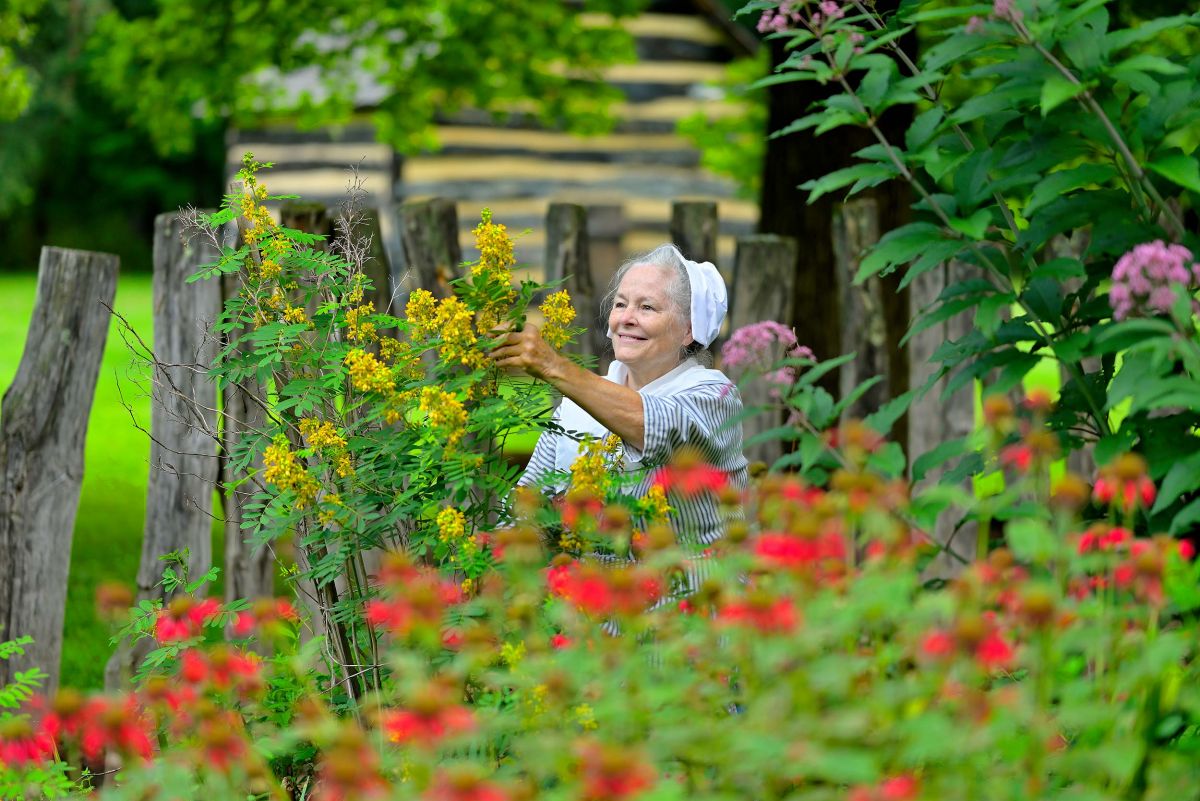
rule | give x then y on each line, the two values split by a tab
663	313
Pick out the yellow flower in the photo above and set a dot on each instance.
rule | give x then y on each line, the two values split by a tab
512	654
558	313
458	339
283	469
467	586
589	472
368	374
294	314
270	269
446	414
495	248
656	504
321	434
328	514
421	312
358	329
343	466
585	716
452	524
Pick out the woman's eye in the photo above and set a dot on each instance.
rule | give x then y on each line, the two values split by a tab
647	307
618	305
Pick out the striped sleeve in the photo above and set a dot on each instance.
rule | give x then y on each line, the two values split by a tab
700	417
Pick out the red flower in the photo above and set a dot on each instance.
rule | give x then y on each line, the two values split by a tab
690	480
768	615
611	772
993	652
183	619
426	727
1186	550
790	552
560	641
21	744
1124	484
899	788
937	644
463	785
1018	456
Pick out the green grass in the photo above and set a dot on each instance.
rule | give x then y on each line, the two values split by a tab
108	528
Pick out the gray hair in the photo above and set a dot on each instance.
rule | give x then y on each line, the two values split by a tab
679	291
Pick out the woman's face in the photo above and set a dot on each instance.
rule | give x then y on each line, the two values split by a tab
647	329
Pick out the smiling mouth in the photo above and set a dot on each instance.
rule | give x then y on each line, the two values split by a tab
632	337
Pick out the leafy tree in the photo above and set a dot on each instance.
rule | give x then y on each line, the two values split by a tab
15	85
181	64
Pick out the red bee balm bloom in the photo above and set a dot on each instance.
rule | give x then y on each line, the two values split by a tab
1124	485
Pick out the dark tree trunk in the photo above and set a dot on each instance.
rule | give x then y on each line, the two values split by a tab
794	159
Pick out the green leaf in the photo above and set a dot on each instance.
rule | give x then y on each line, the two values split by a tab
898	246
974	226
1059	183
938	456
1179	169
888	460
1058	90
1031	540
1118	442
923	128
846	176
1184	476
1147	62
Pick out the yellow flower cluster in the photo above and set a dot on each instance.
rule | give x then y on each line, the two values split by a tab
458	338
294	314
331	503
452	525
512	654
358	329
491	274
320	434
368	374
495	249
269	269
655	504
284	470
421	311
355	295
558	313
446	414
343	466
585	716
589	473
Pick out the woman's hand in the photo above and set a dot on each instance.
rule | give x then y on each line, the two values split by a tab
526	350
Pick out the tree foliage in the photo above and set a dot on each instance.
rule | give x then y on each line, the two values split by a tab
320	60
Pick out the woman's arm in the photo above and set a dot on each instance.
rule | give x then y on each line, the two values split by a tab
618	408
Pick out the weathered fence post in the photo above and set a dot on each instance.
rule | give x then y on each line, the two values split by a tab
183	422
694	227
932	419
606	225
43	426
429	230
864	328
567	257
763	273
249	571
375	265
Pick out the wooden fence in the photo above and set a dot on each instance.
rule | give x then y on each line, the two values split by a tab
42	426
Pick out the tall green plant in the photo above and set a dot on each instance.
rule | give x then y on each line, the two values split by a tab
381	431
1044	146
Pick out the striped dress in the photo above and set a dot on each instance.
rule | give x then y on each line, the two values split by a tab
690	405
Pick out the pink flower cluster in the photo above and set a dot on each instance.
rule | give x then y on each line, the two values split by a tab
756	346
788	15
1005	9
1147	278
